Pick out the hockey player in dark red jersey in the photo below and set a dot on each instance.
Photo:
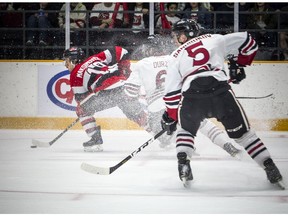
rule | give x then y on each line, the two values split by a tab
97	83
196	87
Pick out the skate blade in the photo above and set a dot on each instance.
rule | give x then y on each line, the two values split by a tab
281	185
186	183
96	148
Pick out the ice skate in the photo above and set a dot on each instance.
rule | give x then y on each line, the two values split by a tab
273	173
95	143
232	150
184	169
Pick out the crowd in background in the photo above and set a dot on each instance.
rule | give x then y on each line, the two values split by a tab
39	28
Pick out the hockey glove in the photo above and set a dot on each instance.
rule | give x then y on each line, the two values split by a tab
236	71
168	123
124	68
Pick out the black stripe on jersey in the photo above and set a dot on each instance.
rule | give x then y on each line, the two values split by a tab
246	42
254	47
173	93
172	103
113	54
91	81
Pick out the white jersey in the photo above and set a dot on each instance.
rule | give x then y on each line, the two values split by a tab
204	56
149	73
104	12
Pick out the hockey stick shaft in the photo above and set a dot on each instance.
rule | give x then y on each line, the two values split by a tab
261	97
107	171
37	143
64	131
136	151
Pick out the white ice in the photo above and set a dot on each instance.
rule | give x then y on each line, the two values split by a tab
49	180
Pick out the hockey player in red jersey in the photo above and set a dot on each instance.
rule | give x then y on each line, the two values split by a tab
97	84
196	87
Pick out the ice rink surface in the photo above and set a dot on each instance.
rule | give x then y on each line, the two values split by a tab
49	180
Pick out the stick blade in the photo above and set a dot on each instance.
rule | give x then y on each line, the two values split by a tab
40	144
95	170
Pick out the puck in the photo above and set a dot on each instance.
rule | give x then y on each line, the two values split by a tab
34	146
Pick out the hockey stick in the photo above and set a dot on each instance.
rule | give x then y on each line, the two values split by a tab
108	170
261	97
37	143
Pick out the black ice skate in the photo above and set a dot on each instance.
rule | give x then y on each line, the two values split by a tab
184	169
95	143
273	173
232	150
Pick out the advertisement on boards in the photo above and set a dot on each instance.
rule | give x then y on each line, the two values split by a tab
55	97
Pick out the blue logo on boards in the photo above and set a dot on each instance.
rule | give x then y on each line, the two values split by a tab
58	94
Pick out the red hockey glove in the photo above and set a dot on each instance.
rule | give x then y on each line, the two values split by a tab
236	71
168	123
124	68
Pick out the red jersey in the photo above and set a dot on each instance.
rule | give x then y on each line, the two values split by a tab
98	72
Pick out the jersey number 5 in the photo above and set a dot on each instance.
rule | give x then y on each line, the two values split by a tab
196	49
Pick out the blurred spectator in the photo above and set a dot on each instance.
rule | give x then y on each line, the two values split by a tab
199	13
243	7
208	6
77	22
106	16
263	21
284	35
10	38
6	6
138	22
42	20
170	16
181	6
103	17
225	19
9	18
77	19
139	19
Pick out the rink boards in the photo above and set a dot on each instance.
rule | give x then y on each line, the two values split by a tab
30	98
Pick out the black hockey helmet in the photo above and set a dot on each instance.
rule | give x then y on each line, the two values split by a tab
189	26
75	54
160	45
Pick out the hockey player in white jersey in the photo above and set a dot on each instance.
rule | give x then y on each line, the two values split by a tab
196	87
149	73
